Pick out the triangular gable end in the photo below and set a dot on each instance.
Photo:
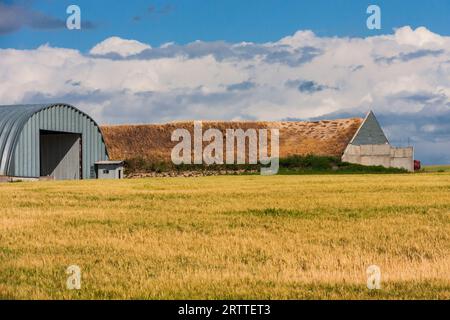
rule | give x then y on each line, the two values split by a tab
369	132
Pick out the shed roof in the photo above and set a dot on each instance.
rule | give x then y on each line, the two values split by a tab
112	162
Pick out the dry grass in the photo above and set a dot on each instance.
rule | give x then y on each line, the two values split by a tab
152	142
281	237
437	168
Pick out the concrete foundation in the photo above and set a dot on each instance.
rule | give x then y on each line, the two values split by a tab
380	155
17	179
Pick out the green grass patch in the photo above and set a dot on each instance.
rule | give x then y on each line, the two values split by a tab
309	164
437	168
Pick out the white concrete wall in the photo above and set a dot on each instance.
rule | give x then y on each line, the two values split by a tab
380	155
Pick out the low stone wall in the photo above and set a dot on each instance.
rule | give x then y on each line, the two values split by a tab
22	179
380	155
188	174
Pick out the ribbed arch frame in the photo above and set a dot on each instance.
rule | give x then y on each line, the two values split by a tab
19	136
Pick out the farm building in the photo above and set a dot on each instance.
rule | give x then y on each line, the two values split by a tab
49	140
61	142
355	140
369	146
109	169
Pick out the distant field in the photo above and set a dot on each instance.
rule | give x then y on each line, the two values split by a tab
438	168
230	237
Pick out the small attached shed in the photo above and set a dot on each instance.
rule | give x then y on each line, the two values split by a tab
109	169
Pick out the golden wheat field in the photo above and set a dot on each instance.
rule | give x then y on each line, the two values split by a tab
228	237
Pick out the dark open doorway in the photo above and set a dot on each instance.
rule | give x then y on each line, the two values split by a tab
60	155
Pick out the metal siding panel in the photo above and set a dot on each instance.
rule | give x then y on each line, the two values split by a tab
48	125
29	151
80	122
16	159
19	148
41	119
24	151
85	150
95	146
31	148
77	121
32	144
88	149
47	119
102	151
72	121
92	155
89	134
16	162
53	123
57	119
65	119
99	146
20	155
36	145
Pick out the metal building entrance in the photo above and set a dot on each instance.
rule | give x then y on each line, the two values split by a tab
60	155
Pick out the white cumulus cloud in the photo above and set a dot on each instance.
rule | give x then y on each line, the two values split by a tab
403	76
419	37
122	47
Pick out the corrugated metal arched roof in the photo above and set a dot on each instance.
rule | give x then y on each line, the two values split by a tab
13	119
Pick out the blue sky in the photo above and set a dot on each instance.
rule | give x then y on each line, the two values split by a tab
139	62
183	21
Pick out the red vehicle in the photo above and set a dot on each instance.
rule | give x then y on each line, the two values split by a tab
417	165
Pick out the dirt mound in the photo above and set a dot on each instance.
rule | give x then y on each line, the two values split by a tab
153	141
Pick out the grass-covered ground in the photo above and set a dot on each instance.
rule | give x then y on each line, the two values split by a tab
278	237
308	164
437	168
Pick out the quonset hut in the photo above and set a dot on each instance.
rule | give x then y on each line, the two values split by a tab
49	140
